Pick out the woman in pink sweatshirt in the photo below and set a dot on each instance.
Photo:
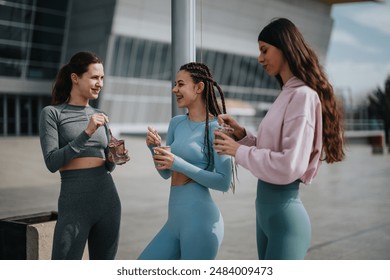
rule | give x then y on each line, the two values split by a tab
302	128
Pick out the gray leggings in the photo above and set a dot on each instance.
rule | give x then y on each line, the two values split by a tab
88	209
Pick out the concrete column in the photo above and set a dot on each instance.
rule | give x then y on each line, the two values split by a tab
5	115
183	39
17	115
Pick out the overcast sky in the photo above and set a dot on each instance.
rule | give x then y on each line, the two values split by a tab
358	58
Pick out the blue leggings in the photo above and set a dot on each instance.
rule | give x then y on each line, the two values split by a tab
88	208
194	229
282	224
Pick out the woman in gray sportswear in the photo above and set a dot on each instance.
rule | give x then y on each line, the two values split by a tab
74	141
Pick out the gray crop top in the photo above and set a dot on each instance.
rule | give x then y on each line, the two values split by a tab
62	135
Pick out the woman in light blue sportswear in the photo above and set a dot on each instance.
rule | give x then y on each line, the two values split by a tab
195	228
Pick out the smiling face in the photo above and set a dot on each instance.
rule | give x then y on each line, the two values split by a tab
88	85
188	94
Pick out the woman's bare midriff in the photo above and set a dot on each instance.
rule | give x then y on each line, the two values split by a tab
179	179
82	163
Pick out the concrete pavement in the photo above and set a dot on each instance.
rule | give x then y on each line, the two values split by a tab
348	202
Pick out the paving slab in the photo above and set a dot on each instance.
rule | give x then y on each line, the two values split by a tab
348	202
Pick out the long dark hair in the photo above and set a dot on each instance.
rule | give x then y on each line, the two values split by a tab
200	72
78	64
304	65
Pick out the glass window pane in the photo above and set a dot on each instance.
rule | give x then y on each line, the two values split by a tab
40	41
24	2
53	21
10	69
13	33
227	68
42	37
9	13
138	62
53	4
149	60
251	71
126	60
15	14
166	73
35	72
12	52
116	58
45	55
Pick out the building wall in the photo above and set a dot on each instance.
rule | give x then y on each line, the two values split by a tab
226	25
133	39
226	40
90	24
31	47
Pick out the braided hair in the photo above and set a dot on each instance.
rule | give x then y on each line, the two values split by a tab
200	72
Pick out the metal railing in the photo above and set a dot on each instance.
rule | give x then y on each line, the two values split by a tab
363	124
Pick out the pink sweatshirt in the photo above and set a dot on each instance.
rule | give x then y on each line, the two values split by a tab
289	139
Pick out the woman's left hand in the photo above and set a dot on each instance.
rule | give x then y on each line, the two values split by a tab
163	159
225	145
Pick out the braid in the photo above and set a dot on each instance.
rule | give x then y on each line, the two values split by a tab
201	73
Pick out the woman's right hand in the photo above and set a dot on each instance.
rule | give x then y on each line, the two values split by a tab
97	120
239	131
153	138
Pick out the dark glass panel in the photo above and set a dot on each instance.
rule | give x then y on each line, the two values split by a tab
166	63
13	33
49	38
60	5
116	58
138	60
12	52
10	69
45	55
35	72
150	61
15	14
53	21
126	64
24	2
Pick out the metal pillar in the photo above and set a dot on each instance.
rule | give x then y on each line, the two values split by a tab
183	39
17	116
5	115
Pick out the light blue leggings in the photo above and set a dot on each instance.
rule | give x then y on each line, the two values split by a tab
194	229
282	224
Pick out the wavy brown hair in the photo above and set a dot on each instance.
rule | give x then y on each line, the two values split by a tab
304	65
78	64
200	72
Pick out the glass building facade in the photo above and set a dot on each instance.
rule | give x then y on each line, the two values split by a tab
31	41
31	37
138	87
38	36
146	59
